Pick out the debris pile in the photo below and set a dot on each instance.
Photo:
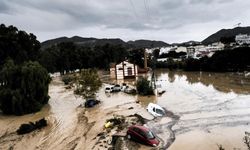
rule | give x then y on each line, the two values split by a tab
27	128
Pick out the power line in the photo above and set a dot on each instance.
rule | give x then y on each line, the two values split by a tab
146	9
133	8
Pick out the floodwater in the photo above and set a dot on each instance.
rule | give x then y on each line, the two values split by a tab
213	109
204	110
61	114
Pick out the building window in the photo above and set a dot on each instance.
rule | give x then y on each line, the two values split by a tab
120	69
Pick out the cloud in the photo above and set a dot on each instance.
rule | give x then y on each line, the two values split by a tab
4	8
140	18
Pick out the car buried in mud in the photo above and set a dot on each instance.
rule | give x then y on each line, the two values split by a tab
142	135
91	103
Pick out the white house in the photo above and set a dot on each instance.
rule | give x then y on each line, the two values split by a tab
162	59
124	70
181	49
242	39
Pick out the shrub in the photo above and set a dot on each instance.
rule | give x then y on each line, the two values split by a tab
143	87
68	79
88	83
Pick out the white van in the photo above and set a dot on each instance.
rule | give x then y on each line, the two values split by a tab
155	110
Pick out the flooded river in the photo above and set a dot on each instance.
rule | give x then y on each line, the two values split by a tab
214	108
204	110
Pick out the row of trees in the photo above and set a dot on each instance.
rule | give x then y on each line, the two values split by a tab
222	61
68	57
23	82
17	45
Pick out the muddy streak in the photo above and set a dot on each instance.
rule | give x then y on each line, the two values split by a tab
175	119
162	127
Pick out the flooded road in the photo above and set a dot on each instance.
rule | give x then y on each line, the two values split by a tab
214	108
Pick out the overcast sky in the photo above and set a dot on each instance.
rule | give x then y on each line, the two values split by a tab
166	20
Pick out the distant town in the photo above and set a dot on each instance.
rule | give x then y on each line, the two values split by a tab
198	50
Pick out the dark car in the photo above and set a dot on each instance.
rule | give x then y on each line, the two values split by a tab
91	103
143	135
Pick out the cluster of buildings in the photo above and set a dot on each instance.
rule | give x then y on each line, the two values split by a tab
199	50
192	51
242	39
126	70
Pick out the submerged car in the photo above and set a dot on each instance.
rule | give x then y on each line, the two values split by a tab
91	103
155	110
129	90
143	135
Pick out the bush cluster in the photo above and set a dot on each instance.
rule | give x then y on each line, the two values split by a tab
143	87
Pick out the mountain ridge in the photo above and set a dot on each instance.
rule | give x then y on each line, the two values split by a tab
90	41
226	33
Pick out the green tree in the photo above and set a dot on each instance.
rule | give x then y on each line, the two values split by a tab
143	87
68	56
17	45
88	83
137	56
23	88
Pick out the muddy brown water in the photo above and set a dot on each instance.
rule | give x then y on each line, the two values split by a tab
213	109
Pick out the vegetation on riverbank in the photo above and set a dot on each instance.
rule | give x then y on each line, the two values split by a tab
24	89
222	61
23	82
143	87
88	83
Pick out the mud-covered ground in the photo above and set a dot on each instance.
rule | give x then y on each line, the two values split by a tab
71	126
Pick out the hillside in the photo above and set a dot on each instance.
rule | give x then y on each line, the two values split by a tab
75	39
99	42
189	43
226	33
146	44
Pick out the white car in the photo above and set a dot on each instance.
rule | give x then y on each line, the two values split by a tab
155	110
116	88
108	89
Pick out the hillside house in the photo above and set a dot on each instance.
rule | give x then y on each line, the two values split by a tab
181	49
242	39
123	70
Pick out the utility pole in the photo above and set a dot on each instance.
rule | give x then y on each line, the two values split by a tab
153	77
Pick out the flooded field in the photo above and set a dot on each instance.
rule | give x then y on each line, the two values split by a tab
214	108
